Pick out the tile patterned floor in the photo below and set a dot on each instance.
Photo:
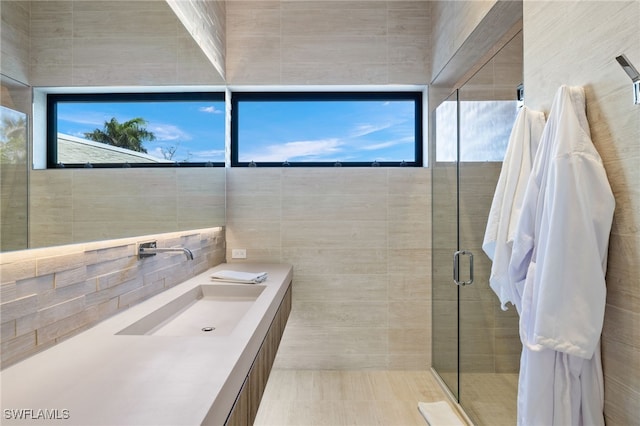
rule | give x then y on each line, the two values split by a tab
387	398
491	397
334	398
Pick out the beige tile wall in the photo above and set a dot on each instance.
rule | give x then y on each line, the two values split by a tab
358	301
575	43
452	23
14	39
77	205
464	31
50	294
498	77
105	43
291	42
359	241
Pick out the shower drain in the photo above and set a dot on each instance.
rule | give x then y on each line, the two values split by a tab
208	328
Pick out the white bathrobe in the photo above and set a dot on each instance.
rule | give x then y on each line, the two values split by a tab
559	261
507	201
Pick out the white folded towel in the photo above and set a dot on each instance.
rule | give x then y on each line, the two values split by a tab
239	277
439	414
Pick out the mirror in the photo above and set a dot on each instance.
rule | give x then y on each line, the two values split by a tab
99	44
13	166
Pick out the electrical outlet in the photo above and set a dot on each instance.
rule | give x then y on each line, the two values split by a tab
238	253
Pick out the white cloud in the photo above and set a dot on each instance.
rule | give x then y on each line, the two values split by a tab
92	118
210	110
208	155
168	132
296	151
366	129
388	144
156	152
78	134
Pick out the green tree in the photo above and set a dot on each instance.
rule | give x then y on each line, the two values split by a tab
129	135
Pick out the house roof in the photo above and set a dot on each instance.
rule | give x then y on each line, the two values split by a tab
74	150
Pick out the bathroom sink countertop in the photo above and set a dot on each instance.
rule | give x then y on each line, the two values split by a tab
100	377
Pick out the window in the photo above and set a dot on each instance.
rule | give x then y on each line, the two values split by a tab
326	129
135	129
484	128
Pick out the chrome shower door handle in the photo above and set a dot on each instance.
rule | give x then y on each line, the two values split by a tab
456	267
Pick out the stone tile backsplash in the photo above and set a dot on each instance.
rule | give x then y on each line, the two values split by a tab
50	294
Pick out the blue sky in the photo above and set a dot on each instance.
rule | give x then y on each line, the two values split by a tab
195	128
269	131
327	131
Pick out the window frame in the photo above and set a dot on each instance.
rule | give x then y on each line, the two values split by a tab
279	96
52	100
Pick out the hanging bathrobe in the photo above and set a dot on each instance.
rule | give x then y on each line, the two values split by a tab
558	263
507	201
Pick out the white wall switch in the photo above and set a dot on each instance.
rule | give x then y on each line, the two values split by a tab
238	253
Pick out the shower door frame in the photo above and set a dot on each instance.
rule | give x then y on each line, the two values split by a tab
445	293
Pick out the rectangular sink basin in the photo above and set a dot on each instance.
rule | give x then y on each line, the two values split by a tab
205	310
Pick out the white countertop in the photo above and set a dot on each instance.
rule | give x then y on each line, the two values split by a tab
100	378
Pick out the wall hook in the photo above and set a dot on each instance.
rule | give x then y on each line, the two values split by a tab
520	95
633	73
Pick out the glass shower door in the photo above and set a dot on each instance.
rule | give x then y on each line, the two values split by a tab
489	344
476	345
445	243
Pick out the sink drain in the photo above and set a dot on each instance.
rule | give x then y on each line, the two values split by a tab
208	328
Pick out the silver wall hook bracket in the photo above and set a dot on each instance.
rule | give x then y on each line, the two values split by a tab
633	74
520	95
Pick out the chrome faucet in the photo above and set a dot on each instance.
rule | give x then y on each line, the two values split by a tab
150	249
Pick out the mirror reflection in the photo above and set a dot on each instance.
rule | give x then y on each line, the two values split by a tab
13	178
100	45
